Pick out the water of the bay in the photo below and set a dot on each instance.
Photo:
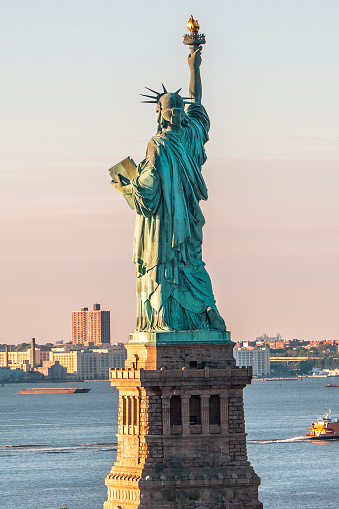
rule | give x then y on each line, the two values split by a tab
56	450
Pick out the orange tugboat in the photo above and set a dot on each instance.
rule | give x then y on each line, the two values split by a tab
324	429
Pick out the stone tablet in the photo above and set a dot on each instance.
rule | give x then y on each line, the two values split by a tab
127	169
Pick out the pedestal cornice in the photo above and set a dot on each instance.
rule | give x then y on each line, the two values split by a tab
181	337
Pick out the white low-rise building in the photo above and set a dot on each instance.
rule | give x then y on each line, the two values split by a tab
91	364
258	358
81	364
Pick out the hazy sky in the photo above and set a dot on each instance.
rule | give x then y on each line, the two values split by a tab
71	74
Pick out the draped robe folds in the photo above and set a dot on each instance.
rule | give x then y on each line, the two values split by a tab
173	287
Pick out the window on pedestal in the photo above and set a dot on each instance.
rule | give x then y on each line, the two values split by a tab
214	409
129	411
195	410
175	411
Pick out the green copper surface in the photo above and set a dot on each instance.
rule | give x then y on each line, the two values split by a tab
180	337
174	291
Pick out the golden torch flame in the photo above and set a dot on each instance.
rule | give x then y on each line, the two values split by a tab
193	25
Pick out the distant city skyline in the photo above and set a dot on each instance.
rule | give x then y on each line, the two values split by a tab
70	110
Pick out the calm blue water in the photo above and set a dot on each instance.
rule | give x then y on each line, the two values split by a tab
56	450
62	447
296	473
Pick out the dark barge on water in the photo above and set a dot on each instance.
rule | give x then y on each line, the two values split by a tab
54	390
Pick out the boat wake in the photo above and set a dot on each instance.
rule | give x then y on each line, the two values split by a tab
278	440
42	448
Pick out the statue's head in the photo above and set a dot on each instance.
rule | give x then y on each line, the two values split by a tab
170	107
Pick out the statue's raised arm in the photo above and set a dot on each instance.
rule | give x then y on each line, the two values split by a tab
194	62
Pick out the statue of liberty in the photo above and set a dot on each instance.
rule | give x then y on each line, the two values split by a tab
174	291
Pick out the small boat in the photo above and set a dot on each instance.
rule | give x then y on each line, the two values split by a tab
54	390
331	385
324	428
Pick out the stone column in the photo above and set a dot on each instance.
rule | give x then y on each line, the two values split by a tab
137	422
166	401
123	415
132	415
224	413
205	413
185	414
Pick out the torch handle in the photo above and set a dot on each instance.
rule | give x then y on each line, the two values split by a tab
194	47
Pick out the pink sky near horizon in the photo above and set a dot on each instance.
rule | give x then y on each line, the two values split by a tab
71	110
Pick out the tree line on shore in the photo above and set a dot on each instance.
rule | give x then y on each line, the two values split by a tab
324	356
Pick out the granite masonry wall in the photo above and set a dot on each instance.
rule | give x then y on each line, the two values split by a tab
181	434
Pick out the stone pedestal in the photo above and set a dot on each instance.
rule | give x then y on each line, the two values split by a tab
181	436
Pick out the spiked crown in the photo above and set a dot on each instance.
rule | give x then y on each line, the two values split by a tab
170	106
158	95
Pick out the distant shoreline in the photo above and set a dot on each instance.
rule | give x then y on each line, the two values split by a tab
8	382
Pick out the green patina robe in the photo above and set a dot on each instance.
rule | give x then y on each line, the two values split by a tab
173	287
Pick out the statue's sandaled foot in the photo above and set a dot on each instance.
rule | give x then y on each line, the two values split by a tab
216	321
